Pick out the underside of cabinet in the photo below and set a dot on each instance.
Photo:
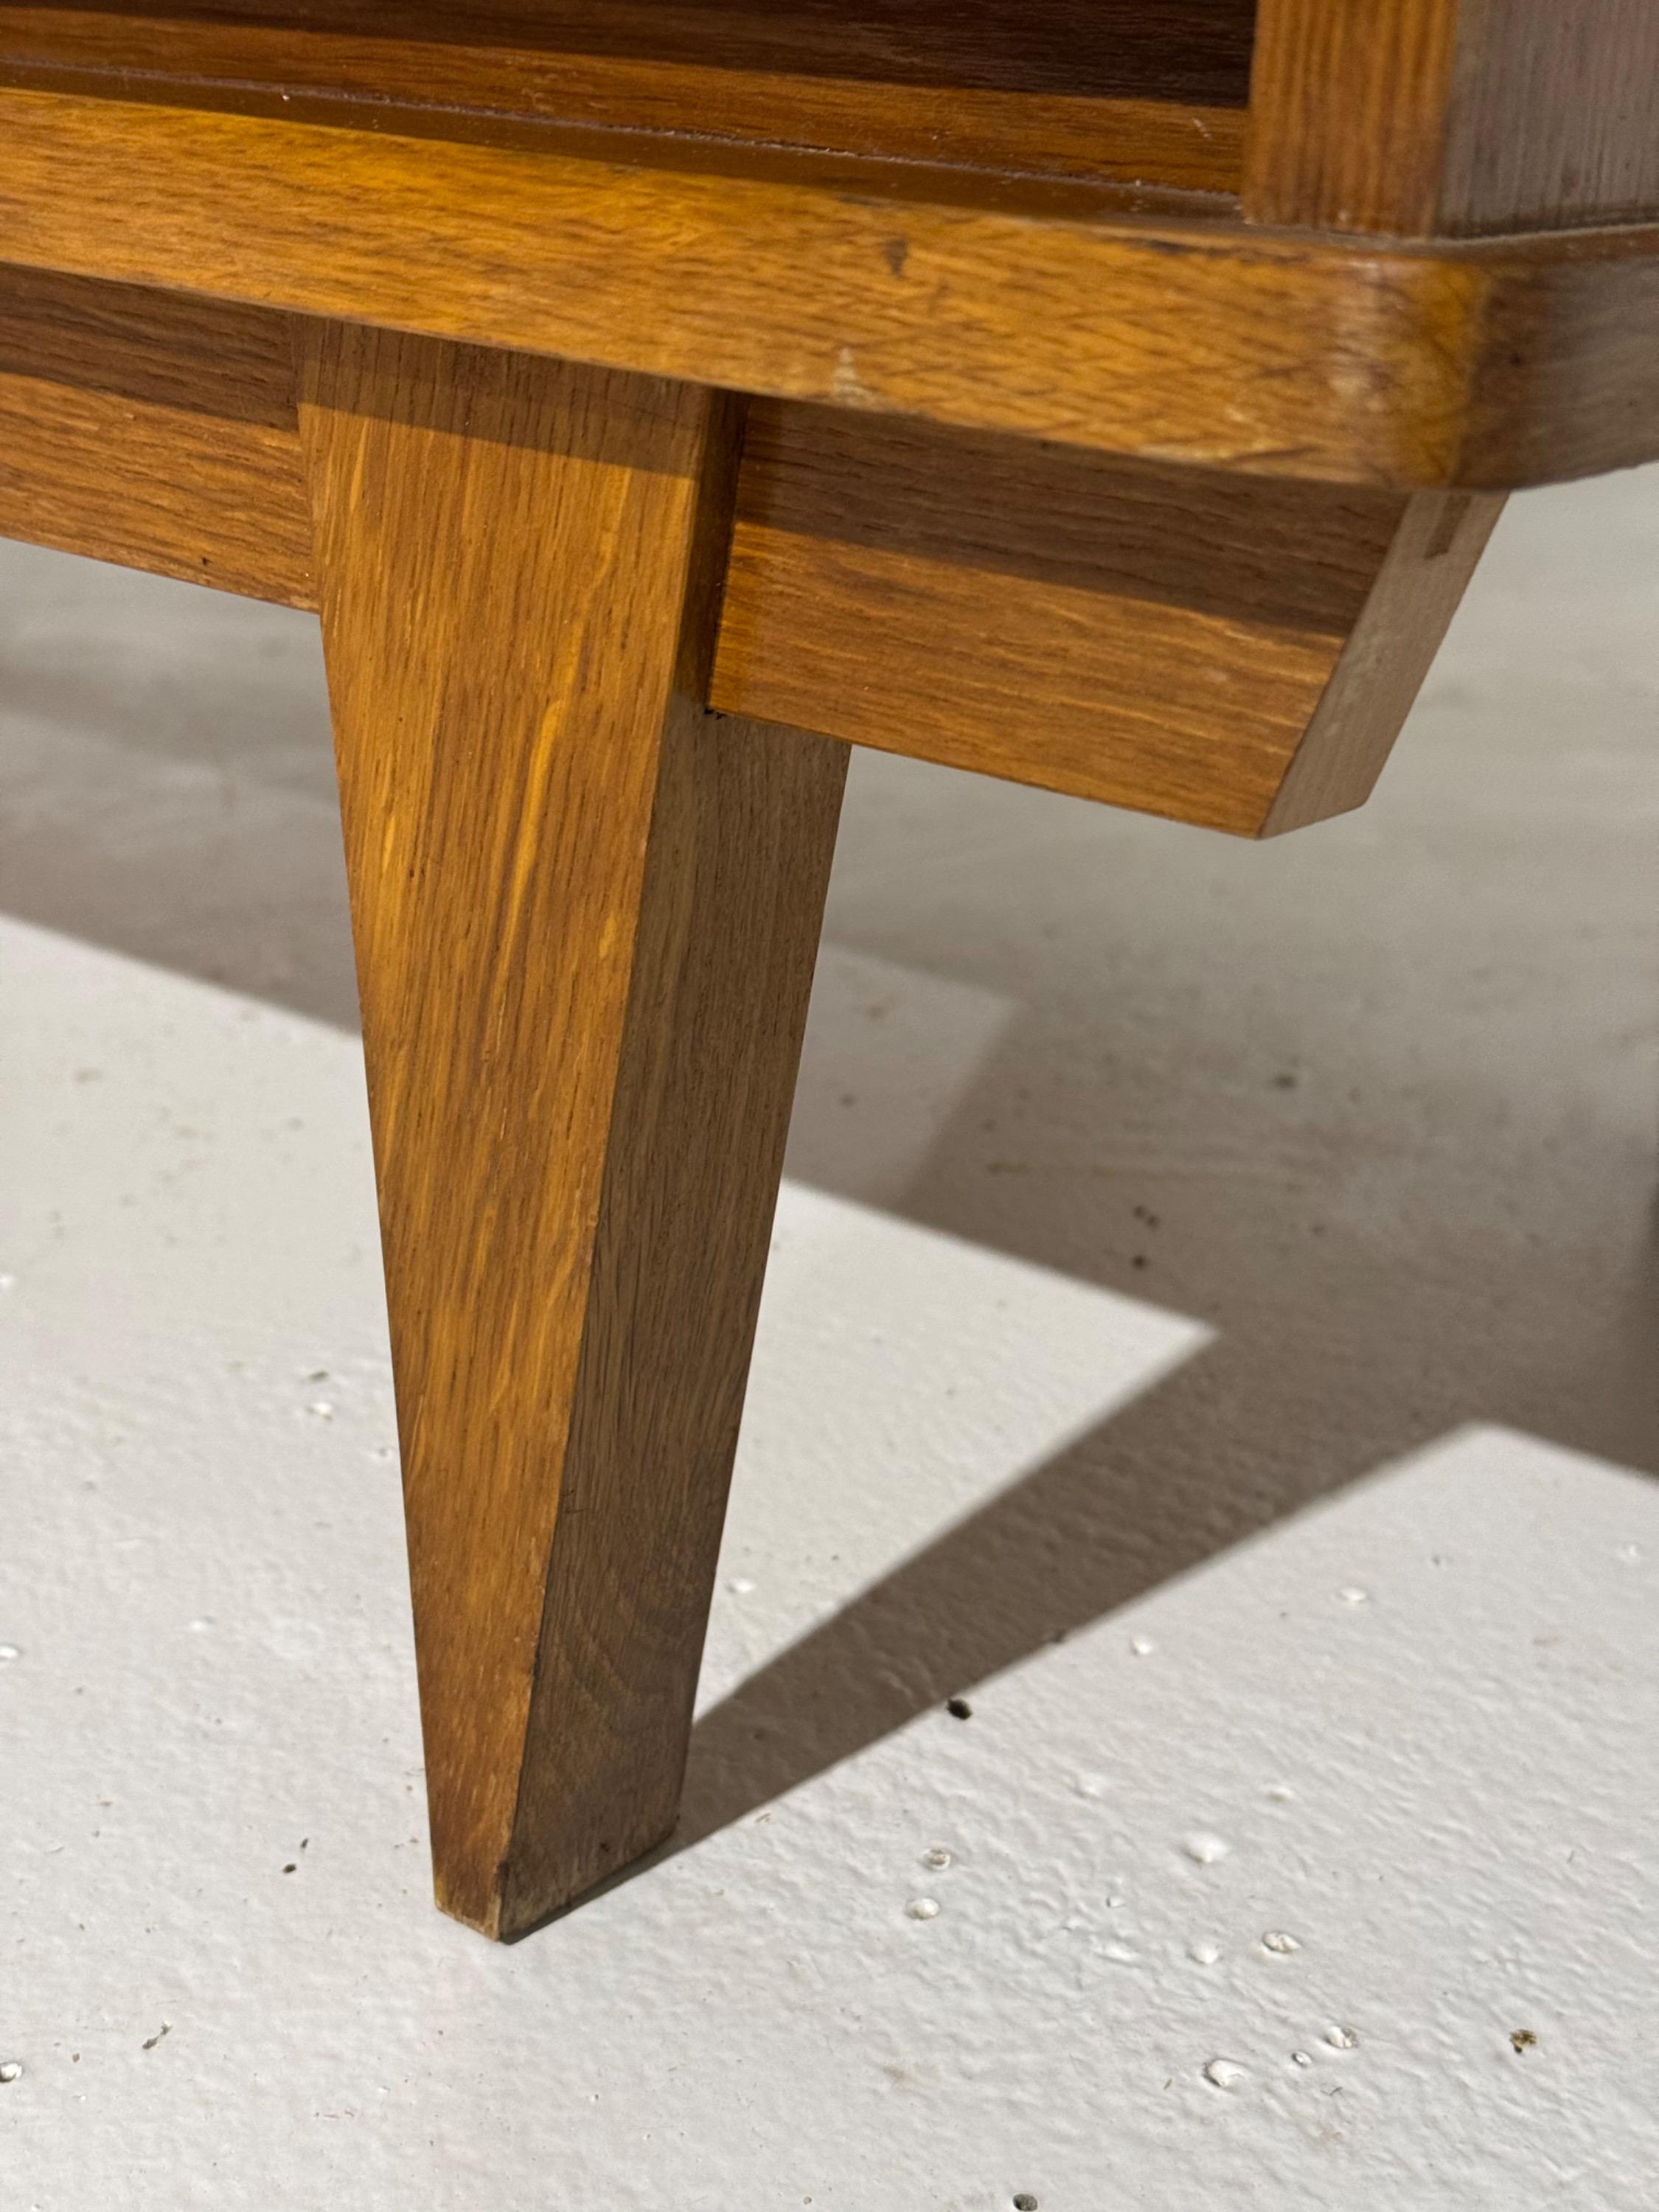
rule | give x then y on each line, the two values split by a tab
1102	90
1129	388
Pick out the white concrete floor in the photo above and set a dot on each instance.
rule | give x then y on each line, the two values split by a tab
1212	1328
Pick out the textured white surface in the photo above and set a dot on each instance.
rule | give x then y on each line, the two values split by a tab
1211	1330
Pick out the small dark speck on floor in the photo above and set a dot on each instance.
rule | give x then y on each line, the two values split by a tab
1025	2201
959	1709
1524	2039
150	2041
1287	1081
291	1868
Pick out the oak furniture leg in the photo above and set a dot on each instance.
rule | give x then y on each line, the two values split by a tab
587	912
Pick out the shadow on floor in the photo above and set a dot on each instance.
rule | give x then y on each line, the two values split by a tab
1376	1105
1211	1457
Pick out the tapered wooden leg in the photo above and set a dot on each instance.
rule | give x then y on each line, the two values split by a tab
587	912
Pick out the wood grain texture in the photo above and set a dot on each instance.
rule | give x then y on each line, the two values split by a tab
1151	636
1562	380
1172	50
1186	340
1203	342
1385	657
152	429
587	912
1102	89
1455	116
158	429
1226	650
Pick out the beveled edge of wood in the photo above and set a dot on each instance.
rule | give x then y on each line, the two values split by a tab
1385	658
1422	365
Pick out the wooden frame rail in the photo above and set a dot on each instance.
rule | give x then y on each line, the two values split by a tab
1194	643
1114	90
1207	340
1453	117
